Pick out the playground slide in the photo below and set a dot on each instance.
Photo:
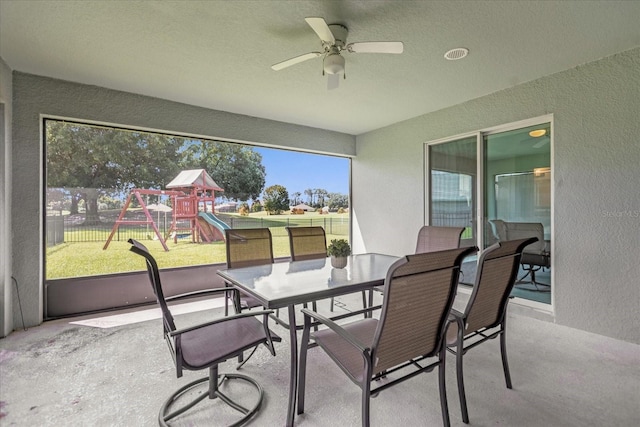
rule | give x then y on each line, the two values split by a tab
214	220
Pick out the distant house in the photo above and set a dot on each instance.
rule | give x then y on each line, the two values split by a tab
227	207
303	207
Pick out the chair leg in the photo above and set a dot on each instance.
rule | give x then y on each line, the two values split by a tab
369	303
364	301
442	356
460	377
242	360
314	306
331	306
302	371
213	392
531	272
503	351
366	401
235	299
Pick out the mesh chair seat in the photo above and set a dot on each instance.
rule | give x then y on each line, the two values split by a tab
347	356
307	243
436	238
248	247
218	342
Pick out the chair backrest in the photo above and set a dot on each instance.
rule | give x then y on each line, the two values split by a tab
307	243
247	247
418	293
433	238
504	230
154	276
497	272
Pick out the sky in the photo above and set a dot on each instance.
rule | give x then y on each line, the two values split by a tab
299	171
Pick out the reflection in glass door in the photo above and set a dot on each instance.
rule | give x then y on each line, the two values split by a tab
452	186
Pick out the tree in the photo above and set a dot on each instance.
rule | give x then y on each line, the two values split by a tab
276	199
309	192
321	194
338	200
91	162
296	198
234	167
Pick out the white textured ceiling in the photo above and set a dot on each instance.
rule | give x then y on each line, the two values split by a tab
217	54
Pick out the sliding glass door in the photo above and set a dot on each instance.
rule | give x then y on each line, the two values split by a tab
497	184
517	201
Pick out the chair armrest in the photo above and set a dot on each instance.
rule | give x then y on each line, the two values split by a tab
264	313
343	333
455	314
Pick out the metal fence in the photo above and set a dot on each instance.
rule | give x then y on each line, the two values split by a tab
72	229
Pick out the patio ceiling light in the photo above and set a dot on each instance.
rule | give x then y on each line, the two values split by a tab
537	133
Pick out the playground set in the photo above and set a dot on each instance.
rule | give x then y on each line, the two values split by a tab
192	194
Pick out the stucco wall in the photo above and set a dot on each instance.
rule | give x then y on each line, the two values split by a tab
596	170
596	156
35	96
6	294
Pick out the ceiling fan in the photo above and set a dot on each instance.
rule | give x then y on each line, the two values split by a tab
334	41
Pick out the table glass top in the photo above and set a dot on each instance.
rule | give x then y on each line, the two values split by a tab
302	281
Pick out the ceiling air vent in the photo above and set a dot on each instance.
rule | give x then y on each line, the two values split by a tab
457	53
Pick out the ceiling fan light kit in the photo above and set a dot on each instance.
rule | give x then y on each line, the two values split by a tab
334	42
333	63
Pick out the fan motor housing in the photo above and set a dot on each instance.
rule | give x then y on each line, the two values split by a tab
340	34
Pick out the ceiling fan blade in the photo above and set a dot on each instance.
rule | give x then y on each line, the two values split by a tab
319	25
333	81
295	60
376	47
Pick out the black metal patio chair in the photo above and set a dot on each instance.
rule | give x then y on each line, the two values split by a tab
205	346
410	333
484	317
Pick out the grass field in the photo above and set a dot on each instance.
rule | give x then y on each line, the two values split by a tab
89	259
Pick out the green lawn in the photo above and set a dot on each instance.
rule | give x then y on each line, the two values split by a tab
89	259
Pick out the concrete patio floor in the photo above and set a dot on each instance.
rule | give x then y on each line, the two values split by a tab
68	374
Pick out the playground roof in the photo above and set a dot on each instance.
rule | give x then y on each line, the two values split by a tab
194	178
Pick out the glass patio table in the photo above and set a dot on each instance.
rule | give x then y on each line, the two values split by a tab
286	284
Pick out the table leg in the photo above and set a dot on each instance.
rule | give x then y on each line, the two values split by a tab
293	375
370	314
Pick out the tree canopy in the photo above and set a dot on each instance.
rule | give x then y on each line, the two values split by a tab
235	167
92	161
276	199
105	158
